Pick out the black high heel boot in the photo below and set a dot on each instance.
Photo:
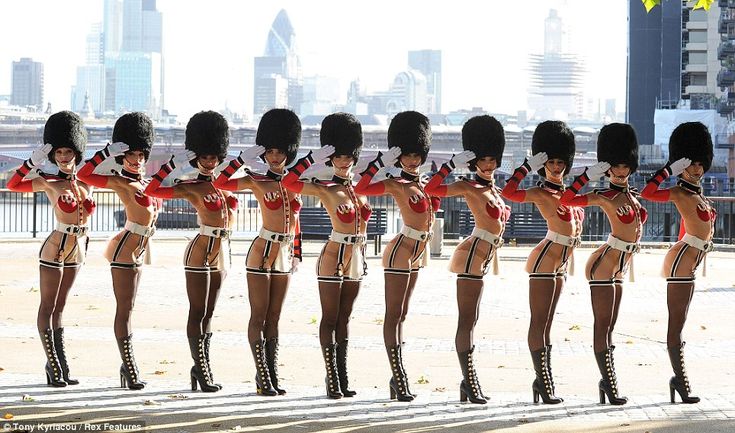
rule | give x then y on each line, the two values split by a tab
61	353
398	381
129	374
548	367
332	378
470	386
54	374
271	358
263	384
207	342
609	383
680	381
200	370
400	353
344	382
542	385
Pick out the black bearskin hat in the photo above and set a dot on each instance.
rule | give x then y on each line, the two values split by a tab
280	128
411	131
617	144
691	140
207	133
136	130
485	136
344	132
556	139
65	129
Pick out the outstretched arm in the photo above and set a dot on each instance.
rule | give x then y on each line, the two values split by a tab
652	192
511	190
291	180
571	196
387	159
17	181
154	188
436	187
86	175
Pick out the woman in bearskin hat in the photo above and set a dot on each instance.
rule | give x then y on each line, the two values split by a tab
483	140
341	264
409	139
553	147
206	258
132	138
273	254
690	156
617	153
63	251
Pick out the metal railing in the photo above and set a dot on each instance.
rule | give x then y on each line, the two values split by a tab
32	214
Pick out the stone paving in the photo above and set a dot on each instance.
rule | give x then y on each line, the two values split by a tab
504	366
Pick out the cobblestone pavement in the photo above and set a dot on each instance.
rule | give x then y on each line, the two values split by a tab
504	366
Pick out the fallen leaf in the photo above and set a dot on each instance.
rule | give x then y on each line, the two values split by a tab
629	342
423	380
575	328
501	366
378	321
312	321
8	416
33	289
177	396
2	369
151	403
27	397
159	372
703	328
92	307
165	361
440	389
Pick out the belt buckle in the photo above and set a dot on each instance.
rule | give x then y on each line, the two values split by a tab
576	242
709	246
634	248
498	242
149	231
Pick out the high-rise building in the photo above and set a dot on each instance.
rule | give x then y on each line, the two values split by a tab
133	60
556	77
280	59
27	86
429	63
89	88
320	95
654	64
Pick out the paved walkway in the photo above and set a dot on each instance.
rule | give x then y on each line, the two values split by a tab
504	365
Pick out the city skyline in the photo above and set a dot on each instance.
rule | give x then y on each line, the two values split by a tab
485	48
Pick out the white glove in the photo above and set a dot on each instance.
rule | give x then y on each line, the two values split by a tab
252	153
677	167
598	170
40	155
318	171
115	149
461	159
537	161
321	155
389	158
181	160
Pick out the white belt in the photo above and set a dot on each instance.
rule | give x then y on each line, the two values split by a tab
698	243
567	241
417	235
275	236
214	232
346	238
626	247
72	229
139	229
485	235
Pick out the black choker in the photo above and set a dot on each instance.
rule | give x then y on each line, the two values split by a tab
409	176
619	188
341	180
484	182
129	175
690	187
551	185
273	175
204	177
65	176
